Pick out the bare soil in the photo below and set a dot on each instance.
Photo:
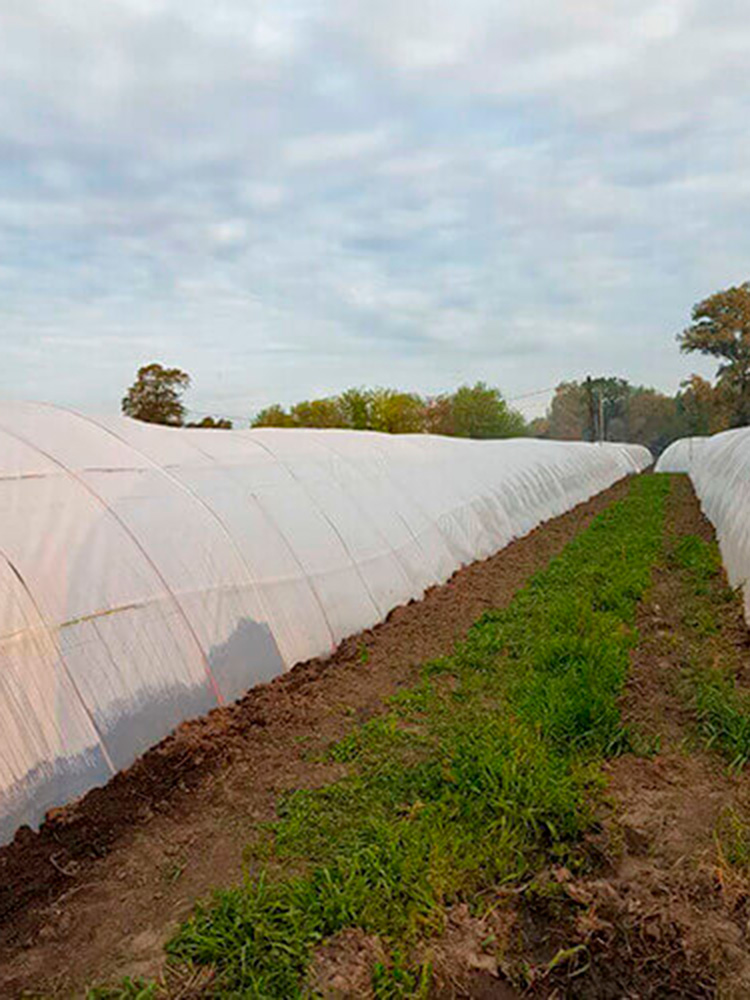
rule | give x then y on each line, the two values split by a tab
98	890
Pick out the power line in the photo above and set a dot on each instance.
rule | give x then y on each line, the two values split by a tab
217	415
527	395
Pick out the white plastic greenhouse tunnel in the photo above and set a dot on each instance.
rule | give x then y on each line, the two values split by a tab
148	574
719	468
680	455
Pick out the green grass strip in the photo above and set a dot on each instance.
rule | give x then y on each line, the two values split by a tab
486	768
722	707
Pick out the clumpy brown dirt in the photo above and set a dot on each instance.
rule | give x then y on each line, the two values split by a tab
343	965
94	895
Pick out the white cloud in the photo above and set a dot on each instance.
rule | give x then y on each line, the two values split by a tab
264	197
230	232
329	147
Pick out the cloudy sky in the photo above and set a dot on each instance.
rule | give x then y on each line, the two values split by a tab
289	197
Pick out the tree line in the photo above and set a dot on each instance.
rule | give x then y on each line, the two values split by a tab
602	408
477	411
612	409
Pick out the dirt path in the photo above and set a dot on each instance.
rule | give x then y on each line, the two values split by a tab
95	894
660	907
677	895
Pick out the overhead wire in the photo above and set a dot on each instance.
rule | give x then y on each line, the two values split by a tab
197	414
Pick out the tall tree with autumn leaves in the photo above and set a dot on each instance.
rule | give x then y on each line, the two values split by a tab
721	328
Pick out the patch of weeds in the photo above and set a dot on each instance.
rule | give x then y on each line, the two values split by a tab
728	595
732	836
721	706
129	989
259	851
172	871
440	665
397	981
702	620
548	897
700	559
412	701
643	744
723	713
487	768
363	654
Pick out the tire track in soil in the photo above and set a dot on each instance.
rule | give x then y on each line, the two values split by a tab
95	893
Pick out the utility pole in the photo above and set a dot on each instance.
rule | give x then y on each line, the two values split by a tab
601	417
592	409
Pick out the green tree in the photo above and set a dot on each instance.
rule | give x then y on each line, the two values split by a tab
721	328
396	412
355	406
213	423
611	397
577	407
653	420
704	408
479	411
318	413
568	413
629	413
155	396
538	427
273	416
439	415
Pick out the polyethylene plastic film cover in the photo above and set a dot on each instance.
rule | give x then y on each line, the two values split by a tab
148	574
720	472
680	455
